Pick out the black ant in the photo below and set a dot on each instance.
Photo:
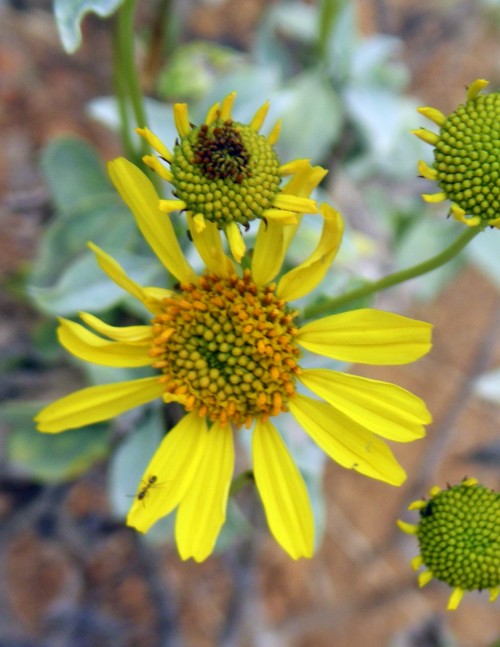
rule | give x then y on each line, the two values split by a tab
146	485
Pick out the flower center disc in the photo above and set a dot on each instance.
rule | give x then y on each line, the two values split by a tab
227	349
227	172
459	537
467	157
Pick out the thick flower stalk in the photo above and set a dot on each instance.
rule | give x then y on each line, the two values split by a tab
227	173
227	345
459	538
467	157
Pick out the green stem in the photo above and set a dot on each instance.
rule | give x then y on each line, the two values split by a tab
121	94
126	68
240	481
394	279
328	13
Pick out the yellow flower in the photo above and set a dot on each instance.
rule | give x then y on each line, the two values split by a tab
226	173
459	538
226	346
467	157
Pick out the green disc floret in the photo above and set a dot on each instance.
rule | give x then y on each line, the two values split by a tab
459	537
467	157
226	172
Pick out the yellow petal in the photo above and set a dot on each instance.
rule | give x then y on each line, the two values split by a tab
367	336
209	246
434	197
295	166
174	465
383	408
280	217
475	88
212	114
259	117
273	136
283	492
346	442
290	202
159	168
426	136
117	274
235	240
305	277
408	528
426	171
130	334
272	239
181	119
84	344
424	578
226	106
156	143
433	114
97	403
202	510
169	206
140	196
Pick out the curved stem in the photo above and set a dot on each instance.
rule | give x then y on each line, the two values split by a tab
327	307
119	84
240	481
327	15
126	68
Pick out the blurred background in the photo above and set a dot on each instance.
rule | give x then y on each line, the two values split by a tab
72	575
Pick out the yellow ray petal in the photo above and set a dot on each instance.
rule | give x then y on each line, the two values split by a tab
408	528
174	465
283	492
181	119
424	578
212	114
383	408
169	206
130	334
235	240
280	217
295	166
433	114
272	239
209	245
305	277
274	135
416	562
426	171
140	196
346	442
367	336
475	88
227	106
455	599
289	202
494	593
97	403
117	274
202	511
434	197
84	344
155	143
426	136
259	117
155	164
418	505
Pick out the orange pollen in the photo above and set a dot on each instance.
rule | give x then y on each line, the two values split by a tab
228	348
